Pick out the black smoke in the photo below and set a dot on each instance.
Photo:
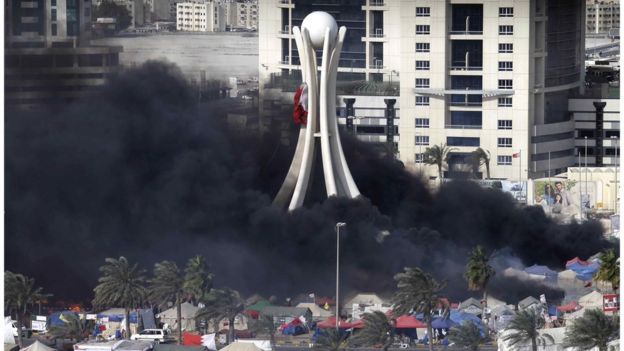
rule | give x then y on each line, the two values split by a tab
144	172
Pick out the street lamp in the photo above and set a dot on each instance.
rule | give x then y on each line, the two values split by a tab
615	207
338	225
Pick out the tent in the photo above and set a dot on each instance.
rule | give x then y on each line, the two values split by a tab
174	347
471	305
56	320
38	346
254	310
528	302
541	271
317	312
591	300
409	322
342	324
576	260
117	315
8	331
459	317
295	327
241	346
170	316
570	307
442	323
134	345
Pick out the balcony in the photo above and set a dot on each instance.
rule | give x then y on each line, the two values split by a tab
466	32
376	64
460	66
285	30
376	3
377	33
462	126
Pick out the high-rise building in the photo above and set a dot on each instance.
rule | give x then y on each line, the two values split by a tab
47	54
483	74
241	14
602	16
138	9
200	16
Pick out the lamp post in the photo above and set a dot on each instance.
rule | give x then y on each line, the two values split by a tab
338	225
615	206
586	217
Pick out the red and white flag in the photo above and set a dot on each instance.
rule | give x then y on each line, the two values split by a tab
516	155
300	114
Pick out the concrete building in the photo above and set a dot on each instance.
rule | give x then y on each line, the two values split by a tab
47	54
602	16
138	9
489	74
200	17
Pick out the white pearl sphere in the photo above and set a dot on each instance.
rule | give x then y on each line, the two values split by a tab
316	23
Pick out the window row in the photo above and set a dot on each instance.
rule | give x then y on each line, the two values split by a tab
422	82
502	124
424	29
502	102
500	160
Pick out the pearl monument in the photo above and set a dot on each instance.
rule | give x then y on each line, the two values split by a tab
318	31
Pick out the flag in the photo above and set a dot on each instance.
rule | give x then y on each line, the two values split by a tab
588	284
326	306
516	155
311	295
300	114
64	318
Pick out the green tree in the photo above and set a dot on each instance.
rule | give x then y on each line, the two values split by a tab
524	327
417	292
121	285
478	271
198	278
110	9
222	304
264	325
609	268
331	339
437	155
377	331
593	329
19	293
167	286
73	328
482	158
466	335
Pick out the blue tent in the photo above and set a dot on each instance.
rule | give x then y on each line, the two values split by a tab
541	270
460	317
553	311
442	323
119	317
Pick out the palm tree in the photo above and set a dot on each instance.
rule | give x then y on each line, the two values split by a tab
524	327
609	268
331	340
482	157
166	287
377	331
593	329
265	324
417	292
466	335
198	279
73	327
437	155
478	272
19	293
121	285
222	304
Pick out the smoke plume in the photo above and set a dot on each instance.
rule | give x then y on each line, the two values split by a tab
144	172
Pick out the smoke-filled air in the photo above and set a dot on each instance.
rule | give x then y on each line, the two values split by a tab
144	172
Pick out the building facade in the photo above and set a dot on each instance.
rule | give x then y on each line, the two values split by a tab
139	10
602	16
200	17
241	14
48	58
490	74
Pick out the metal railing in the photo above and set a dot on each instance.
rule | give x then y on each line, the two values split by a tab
463	126
466	68
376	3
466	32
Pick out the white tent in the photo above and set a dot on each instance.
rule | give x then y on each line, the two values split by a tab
37	346
591	300
317	312
241	346
170	317
8	331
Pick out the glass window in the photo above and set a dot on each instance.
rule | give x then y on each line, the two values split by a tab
505	30
54	30
419	158
422	29
505	66
422	83
505	48
422	47
422	101
53	15
505	102
503	160
422	65
504	124
505	84
462	141
52	2
422	140
423	12
504	142
505	12
422	122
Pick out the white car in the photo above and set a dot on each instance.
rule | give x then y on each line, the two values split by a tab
155	335
27	333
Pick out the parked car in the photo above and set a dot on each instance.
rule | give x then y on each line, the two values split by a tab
26	333
156	335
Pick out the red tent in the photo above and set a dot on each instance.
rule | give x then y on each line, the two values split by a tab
331	323
411	322
576	260
570	307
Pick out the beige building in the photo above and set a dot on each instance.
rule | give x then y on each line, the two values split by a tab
241	14
200	17
602	16
494	74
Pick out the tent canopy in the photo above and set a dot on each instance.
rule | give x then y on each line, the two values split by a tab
570	307
410	322
259	306
442	323
576	260
317	312
342	324
188	312
541	270
38	346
